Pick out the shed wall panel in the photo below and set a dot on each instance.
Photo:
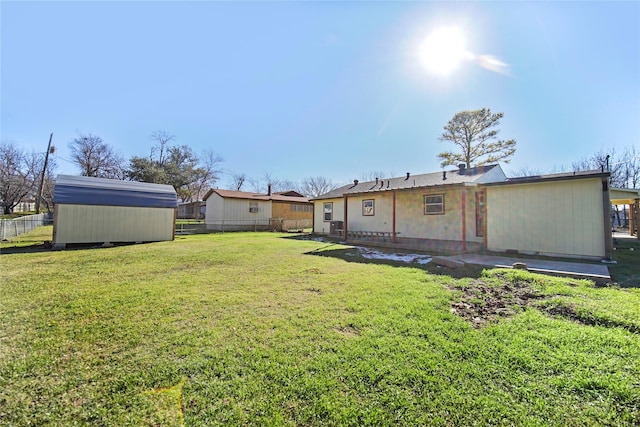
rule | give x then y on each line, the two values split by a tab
561	217
94	224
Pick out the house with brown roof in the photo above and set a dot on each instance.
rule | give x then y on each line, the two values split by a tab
472	210
230	210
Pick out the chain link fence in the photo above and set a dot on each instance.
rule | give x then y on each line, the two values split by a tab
10	228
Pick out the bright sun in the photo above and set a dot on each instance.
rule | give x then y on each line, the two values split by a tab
443	50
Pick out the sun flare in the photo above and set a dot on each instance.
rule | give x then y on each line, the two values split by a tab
443	50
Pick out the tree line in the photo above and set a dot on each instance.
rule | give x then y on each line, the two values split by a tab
474	134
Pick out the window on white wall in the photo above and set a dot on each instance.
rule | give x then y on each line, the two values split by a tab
368	207
434	204
253	207
328	211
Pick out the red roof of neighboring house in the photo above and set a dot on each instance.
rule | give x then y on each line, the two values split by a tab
277	197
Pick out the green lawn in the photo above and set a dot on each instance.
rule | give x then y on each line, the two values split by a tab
272	329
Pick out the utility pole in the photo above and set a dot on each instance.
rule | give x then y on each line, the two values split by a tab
44	171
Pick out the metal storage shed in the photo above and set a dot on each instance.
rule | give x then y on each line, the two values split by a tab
98	210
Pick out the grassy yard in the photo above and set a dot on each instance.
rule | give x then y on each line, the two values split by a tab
273	329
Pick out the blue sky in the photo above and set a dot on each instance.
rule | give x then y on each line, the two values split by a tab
300	89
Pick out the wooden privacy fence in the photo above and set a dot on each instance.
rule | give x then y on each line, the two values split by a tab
10	228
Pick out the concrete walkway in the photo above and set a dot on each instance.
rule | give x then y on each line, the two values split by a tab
574	269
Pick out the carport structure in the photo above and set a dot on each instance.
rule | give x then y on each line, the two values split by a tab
629	197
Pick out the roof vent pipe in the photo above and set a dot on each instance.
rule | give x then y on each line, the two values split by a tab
407	176
444	175
355	182
377	180
462	167
269	190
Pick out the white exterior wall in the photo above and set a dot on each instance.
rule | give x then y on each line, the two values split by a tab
233	214
95	224
319	225
382	220
553	218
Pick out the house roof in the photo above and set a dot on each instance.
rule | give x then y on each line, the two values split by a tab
277	197
553	177
84	190
479	174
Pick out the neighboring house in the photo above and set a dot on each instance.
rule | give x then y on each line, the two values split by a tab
230	210
475	209
98	210
192	210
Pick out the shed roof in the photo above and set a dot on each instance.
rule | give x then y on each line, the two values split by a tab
553	177
450	177
84	190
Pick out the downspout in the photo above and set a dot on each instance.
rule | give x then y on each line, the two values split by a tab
393	219
464	219
344	229
606	208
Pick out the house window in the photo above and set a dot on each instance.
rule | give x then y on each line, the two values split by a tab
300	208
368	207
253	207
328	211
434	204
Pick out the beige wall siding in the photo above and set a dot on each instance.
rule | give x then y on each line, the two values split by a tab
319	225
381	220
238	209
228	209
561	217
215	208
411	222
93	224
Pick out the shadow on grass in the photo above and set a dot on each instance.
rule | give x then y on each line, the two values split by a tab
47	247
351	253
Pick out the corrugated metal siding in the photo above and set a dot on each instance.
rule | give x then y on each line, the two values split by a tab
94	224
561	217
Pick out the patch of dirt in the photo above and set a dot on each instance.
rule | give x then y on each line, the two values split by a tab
348	330
481	303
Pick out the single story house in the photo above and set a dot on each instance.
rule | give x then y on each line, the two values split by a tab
472	210
230	210
98	210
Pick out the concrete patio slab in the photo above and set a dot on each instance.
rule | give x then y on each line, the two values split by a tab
574	269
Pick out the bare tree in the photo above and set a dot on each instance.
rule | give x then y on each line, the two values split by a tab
604	160
160	149
316	186
96	158
237	180
18	175
372	175
631	167
474	134
205	176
